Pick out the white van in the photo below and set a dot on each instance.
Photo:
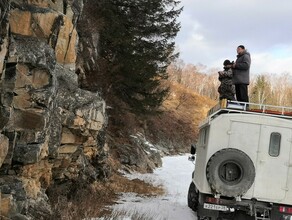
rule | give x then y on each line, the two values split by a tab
242	159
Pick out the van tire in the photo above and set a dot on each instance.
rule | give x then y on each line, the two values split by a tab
230	172
193	197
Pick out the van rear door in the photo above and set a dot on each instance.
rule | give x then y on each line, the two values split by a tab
272	163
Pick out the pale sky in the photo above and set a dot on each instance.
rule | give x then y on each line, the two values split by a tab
212	29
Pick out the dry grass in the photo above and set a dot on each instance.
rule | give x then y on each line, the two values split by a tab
121	215
81	200
182	112
119	183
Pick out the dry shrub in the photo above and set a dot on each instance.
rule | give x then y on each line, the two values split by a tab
80	200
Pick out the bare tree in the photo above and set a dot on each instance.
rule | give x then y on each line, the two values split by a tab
274	89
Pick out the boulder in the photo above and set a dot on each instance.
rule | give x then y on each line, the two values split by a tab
27	153
13	196
26	120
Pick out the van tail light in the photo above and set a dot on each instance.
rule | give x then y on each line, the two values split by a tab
285	209
212	200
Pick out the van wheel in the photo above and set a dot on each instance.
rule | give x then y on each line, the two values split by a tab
230	172
193	197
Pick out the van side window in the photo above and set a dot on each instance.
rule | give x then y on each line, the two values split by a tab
275	143
204	133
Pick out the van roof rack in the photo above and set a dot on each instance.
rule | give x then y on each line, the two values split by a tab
228	106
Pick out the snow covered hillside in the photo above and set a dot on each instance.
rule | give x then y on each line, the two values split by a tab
175	177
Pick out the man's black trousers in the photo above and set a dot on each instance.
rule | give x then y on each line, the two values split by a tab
241	92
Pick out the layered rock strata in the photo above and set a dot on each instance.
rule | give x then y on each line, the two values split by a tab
50	129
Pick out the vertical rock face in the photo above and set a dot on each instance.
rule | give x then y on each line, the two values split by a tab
50	129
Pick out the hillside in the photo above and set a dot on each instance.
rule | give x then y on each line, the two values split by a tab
177	126
62	138
138	142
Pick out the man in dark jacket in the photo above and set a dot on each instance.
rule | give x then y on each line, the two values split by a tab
226	89
241	74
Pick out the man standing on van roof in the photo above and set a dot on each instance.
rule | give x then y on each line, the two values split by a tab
241	74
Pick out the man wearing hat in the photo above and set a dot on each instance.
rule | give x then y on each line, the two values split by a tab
241	74
226	89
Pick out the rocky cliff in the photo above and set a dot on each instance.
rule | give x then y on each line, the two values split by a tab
50	129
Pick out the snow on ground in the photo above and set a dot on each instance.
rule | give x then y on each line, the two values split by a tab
175	177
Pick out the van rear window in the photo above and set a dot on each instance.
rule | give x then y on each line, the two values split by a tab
275	144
